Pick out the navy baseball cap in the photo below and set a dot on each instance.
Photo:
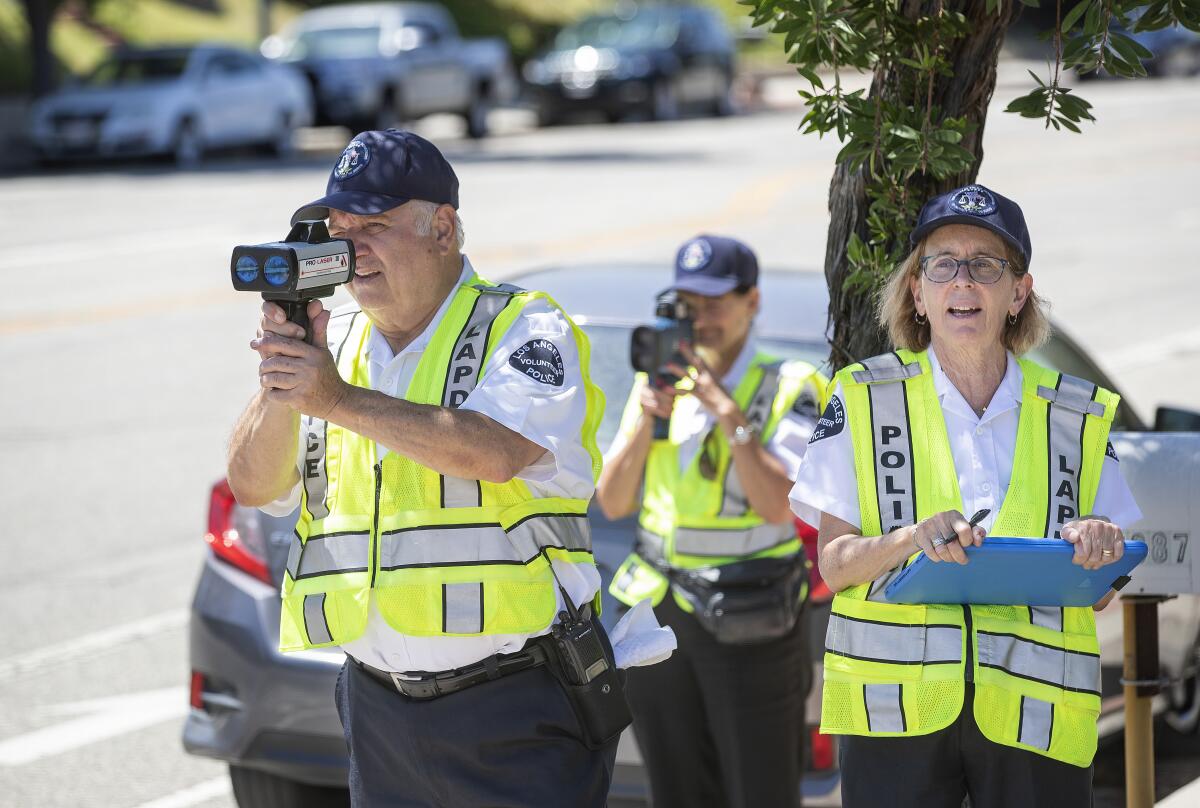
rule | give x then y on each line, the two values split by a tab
714	265
381	170
980	206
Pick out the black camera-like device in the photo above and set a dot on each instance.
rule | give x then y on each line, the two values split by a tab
652	347
306	265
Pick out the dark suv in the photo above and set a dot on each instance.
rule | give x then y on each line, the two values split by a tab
655	61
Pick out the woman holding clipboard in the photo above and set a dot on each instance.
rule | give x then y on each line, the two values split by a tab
937	702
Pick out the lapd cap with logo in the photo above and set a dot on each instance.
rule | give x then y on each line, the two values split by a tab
979	206
381	170
713	265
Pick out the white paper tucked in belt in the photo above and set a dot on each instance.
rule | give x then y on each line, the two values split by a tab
638	639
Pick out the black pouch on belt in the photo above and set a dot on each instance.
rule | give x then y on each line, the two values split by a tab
747	601
581	658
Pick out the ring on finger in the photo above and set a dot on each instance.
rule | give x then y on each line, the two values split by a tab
1106	553
939	540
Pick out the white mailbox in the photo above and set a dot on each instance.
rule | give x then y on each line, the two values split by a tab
1163	469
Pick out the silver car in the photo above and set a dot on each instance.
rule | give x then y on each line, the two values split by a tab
272	716
179	101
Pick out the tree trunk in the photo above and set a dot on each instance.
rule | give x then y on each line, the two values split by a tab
39	13
855	334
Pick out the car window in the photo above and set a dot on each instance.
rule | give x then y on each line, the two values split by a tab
612	373
334	43
650	28
137	68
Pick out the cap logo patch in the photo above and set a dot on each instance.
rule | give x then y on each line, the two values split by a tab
975	200
354	159
540	360
696	255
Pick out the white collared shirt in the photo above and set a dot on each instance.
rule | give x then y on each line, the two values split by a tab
689	419
983	447
550	416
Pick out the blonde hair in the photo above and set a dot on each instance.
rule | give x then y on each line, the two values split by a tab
897	312
425	212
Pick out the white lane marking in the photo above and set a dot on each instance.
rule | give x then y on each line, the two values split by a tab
90	643
194	795
102	719
1154	351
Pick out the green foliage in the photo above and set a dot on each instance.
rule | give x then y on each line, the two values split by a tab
896	133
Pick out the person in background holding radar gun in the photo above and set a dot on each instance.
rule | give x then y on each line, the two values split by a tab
708	446
653	347
939	701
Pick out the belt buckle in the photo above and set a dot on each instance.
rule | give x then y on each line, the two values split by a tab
402	684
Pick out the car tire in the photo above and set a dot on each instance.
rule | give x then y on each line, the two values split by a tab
664	105
283	142
1183	702
476	116
389	114
257	789
187	149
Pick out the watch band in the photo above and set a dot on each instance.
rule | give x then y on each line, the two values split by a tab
742	435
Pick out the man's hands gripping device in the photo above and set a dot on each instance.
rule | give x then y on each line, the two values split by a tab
306	265
654	346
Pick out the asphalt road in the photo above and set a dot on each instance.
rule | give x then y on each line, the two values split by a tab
124	359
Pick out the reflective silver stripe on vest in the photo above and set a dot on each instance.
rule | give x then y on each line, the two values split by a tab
462	608
650	546
885	708
891	438
463	374
731	542
1037	722
328	554
1050	617
733	498
1076	671
313	475
445	545
315	624
873	641
886	368
1065	422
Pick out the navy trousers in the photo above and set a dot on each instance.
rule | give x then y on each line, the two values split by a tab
939	769
511	743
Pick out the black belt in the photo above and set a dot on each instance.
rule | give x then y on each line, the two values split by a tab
422	687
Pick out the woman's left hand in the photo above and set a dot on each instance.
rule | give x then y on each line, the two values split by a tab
705	385
1098	542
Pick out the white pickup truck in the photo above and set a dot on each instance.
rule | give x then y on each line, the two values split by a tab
373	65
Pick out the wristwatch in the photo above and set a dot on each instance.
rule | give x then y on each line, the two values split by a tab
742	435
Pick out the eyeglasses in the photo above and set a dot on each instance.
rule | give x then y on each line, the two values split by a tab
981	268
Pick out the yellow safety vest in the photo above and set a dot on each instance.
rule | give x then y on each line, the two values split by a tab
689	522
900	670
441	556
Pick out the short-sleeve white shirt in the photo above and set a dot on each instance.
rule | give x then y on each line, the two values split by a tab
690	420
983	447
549	415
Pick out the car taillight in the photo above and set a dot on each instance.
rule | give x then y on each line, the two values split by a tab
233	537
196	697
821	748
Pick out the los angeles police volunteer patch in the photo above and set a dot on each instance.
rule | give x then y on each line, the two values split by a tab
354	159
1111	452
539	360
832	421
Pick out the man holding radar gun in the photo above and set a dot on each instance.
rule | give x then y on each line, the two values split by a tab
438	436
710	441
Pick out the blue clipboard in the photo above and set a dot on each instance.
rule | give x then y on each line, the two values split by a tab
1006	571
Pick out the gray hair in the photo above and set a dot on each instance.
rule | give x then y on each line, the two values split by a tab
424	211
